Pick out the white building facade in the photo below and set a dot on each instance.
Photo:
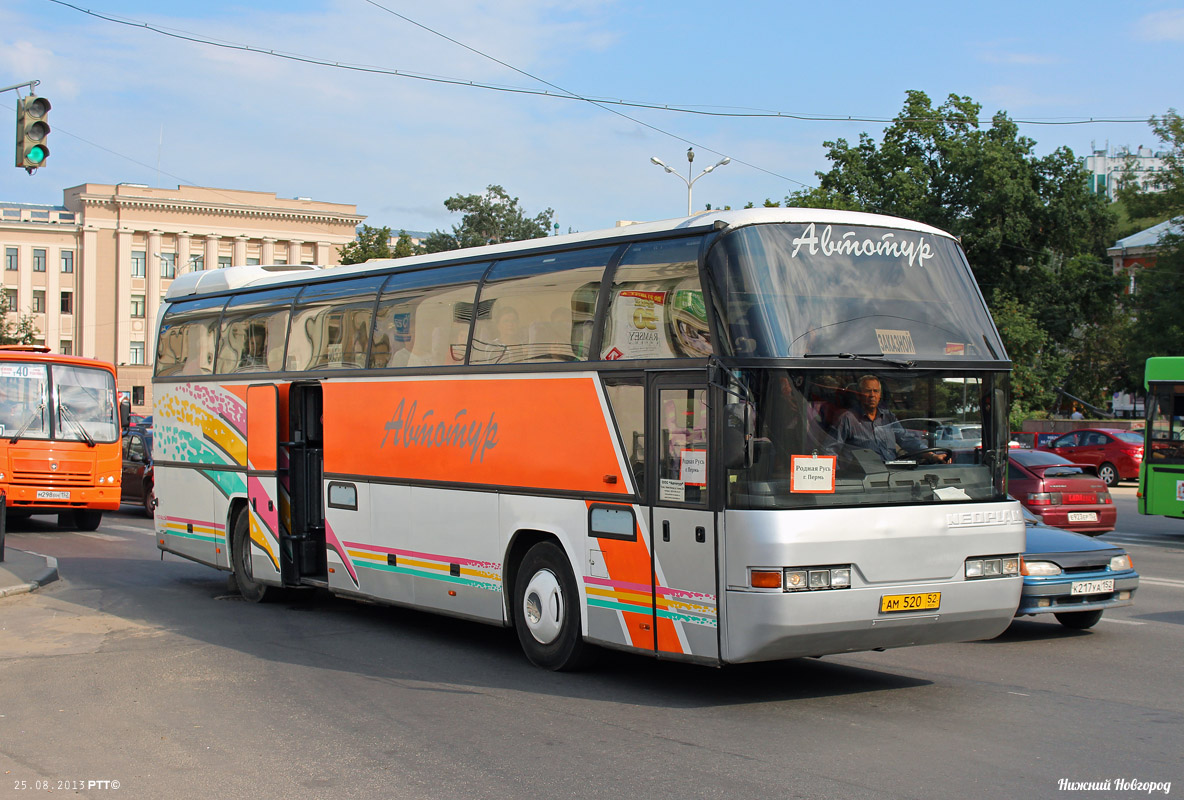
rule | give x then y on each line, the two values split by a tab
92	272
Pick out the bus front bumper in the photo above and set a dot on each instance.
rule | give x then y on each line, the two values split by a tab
43	500
778	625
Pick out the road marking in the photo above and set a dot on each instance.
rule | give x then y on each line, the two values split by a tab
1123	621
1161	581
129	528
106	537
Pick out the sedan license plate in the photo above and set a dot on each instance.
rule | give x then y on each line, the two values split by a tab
1093	587
45	494
909	602
1083	516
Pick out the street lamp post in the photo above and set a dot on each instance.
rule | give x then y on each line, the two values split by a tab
688	180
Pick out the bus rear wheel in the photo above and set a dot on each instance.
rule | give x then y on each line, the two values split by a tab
547	610
240	551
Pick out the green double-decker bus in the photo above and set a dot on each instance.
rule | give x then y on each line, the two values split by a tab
1161	478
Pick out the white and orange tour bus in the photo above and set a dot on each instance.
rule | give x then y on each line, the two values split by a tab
710	439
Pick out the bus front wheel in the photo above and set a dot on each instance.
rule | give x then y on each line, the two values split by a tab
240	551
85	520
547	610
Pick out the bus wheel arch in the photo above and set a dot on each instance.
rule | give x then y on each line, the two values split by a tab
240	555
544	601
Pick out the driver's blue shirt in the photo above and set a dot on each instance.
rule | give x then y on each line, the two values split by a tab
884	434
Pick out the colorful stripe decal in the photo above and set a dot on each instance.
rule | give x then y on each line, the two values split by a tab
335	544
476	574
677	605
196	529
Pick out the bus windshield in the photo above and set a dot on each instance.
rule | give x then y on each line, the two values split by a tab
933	437
57	401
813	289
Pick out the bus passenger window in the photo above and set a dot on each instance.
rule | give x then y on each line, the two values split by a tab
657	308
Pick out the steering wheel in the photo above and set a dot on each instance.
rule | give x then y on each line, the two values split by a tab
949	453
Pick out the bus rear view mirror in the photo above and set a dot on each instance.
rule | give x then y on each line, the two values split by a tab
739	427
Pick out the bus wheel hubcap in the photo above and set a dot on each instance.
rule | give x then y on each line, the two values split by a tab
542	607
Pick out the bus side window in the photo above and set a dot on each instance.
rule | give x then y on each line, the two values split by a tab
626	399
657	308
539	308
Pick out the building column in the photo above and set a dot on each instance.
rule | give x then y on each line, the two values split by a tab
87	265
268	254
152	290
295	246
184	244
123	291
240	251
212	250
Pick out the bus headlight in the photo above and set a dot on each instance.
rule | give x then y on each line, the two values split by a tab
992	567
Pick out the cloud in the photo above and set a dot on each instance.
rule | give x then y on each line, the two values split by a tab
1162	26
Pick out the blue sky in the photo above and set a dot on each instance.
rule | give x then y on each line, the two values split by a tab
131	105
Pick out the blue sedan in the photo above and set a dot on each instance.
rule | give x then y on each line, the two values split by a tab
1073	577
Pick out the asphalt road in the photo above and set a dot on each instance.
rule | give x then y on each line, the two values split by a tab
151	673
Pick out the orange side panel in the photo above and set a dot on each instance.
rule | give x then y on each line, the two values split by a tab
629	562
546	433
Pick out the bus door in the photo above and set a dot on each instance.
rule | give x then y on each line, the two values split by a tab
682	522
303	542
263	481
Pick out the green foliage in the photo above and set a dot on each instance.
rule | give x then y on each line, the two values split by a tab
371	243
1037	365
18	331
488	218
404	247
1156	306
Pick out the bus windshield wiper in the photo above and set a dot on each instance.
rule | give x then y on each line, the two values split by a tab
880	357
68	415
16	437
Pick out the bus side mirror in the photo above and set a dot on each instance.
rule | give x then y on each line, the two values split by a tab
125	413
739	440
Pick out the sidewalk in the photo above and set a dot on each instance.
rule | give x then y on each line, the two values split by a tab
23	572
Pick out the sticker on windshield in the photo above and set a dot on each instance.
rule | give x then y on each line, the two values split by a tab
813	474
693	467
955	349
1180	491
895	343
672	491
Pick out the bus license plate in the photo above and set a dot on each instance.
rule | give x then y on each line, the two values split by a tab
1083	516
1093	587
45	494
909	602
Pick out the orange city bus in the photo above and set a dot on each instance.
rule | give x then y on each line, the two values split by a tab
638	439
60	449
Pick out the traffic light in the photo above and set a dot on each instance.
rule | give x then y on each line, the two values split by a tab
31	131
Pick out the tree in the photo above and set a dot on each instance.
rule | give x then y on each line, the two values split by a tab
488	219
371	243
1010	208
404	247
1158	329
1037	366
18	331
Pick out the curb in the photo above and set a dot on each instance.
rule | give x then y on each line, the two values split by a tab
47	575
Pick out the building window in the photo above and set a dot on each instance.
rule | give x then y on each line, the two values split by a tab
168	265
38	301
12	259
39	261
137	353
223	262
138	260
67	261
252	262
138	306
67	302
12	297
198	263
66	347
137	395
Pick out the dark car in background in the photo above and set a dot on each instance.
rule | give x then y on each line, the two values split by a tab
1073	577
1061	493
138	481
1117	454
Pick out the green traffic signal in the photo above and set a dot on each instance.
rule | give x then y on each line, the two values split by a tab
31	131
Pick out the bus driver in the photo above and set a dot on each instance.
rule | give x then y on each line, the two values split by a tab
875	428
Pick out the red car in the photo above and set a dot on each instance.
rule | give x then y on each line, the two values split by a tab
1031	439
1116	453
1062	494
